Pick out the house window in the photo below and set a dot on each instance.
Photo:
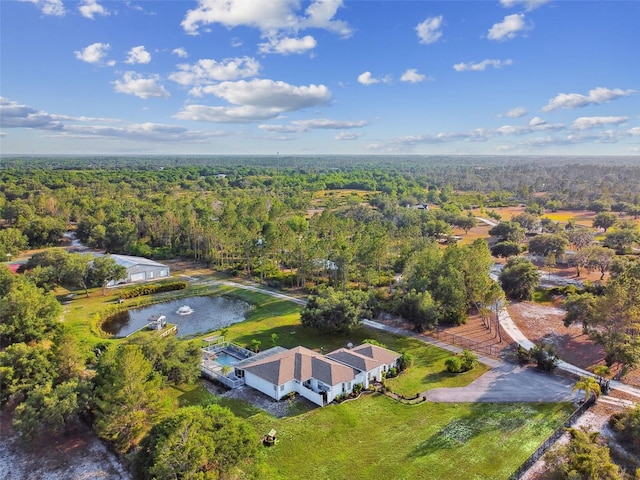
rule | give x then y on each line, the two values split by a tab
275	388
281	388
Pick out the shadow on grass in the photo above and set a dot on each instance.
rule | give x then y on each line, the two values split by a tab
483	418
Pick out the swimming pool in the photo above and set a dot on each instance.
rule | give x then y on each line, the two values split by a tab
224	358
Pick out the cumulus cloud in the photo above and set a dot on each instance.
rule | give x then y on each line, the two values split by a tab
93	53
348	136
535	121
429	30
15	115
575	100
312	124
272	18
133	83
90	8
181	52
138	55
49	7
586	123
287	45
411	75
481	66
367	78
528	4
243	114
514	112
255	100
207	71
508	28
264	93
635	131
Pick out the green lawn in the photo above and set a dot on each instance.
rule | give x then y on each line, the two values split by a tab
377	437
373	436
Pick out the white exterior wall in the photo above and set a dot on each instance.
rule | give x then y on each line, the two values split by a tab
310	395
260	384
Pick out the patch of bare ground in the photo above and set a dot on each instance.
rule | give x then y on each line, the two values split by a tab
76	456
476	331
544	323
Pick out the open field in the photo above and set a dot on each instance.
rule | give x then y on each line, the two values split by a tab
376	437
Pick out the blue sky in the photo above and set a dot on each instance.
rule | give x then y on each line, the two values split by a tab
498	77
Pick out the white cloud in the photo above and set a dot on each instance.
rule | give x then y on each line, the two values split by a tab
15	115
268	16
508	28
181	52
90	8
367	79
207	71
635	131
243	114
93	53
528	4
348	136
412	75
478	67
429	30
586	123
514	112
287	45
575	100
314	124
138	55
536	121
133	83
49	7
255	100
264	93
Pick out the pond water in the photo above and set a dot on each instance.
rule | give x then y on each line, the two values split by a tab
209	313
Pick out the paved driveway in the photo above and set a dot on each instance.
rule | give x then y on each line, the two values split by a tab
509	383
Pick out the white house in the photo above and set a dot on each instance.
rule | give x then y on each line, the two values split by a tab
369	360
317	377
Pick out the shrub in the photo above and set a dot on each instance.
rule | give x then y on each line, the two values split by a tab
524	356
151	289
545	357
469	360
453	364
462	362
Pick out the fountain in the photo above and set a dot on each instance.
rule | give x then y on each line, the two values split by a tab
185	310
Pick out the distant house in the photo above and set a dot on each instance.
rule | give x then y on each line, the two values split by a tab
319	378
140	269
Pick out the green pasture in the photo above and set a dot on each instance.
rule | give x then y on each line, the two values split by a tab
377	437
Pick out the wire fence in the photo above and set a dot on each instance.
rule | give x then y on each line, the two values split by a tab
466	343
552	439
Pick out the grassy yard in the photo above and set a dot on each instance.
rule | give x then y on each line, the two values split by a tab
376	437
373	436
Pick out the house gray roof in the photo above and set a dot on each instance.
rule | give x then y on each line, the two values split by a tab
354	359
383	355
300	364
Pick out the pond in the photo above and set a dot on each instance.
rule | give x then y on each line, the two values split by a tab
206	314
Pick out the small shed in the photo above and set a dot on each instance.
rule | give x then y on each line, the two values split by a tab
270	438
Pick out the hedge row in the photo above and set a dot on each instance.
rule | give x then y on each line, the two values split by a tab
151	289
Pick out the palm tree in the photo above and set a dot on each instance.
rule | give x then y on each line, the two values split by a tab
589	385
